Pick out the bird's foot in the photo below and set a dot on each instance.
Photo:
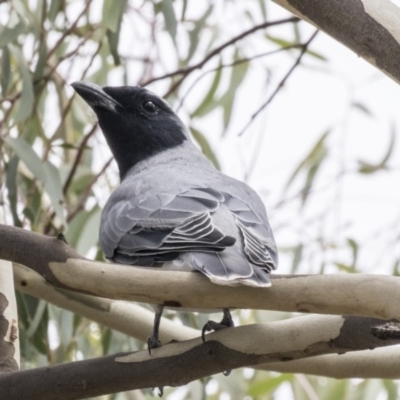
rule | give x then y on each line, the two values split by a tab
226	322
152	343
160	391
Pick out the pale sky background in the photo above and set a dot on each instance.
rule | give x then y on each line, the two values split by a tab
316	98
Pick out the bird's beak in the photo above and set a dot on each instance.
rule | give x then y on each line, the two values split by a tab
94	95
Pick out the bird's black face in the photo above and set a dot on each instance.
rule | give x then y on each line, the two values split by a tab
136	123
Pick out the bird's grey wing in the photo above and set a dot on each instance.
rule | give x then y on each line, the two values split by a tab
259	243
157	228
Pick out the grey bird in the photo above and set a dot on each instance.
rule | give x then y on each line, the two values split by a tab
173	209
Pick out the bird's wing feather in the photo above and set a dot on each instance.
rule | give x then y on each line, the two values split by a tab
156	226
259	244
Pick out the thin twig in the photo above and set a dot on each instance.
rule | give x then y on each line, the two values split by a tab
233	64
304	48
87	192
69	30
186	71
78	158
69	104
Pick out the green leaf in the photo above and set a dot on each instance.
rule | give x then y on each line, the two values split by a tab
40	309
41	63
114	27
87	238
391	389
227	100
26	100
268	385
367	168
346	268
297	256
280	42
170	18
362	107
283	43
8	35
11	183
205	147
25	152
194	34
112	14
45	172
209	102
316	155
5	70
263	9
106	339
54	189
354	247
55	8
311	174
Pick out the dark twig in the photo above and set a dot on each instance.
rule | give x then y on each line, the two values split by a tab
304	48
69	104
233	64
69	30
78	158
86	194
186	71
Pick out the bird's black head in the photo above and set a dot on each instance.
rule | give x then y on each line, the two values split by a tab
136	123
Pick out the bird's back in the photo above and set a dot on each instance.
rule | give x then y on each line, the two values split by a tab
175	207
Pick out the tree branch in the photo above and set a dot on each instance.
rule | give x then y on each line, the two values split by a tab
169	365
115	314
9	333
119	315
369	28
383	363
353	294
186	71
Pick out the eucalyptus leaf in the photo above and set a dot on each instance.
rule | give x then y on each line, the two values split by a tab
89	234
8	35
54	189
268	385
26	100
114	27
112	14
5	70
11	184
25	152
205	147
171	23
209	102
194	34
227	100
317	153
368	168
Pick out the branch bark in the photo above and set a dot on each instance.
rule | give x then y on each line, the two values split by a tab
370	28
383	363
123	316
168	366
136	321
9	343
374	296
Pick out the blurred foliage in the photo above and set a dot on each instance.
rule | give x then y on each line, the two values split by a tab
56	172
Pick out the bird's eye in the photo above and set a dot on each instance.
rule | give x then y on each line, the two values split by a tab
150	107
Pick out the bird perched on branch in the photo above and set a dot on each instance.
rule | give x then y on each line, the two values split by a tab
173	209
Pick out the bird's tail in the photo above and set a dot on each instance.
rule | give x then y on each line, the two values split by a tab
229	267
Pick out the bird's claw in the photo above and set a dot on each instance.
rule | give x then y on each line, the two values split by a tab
161	391
152	343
